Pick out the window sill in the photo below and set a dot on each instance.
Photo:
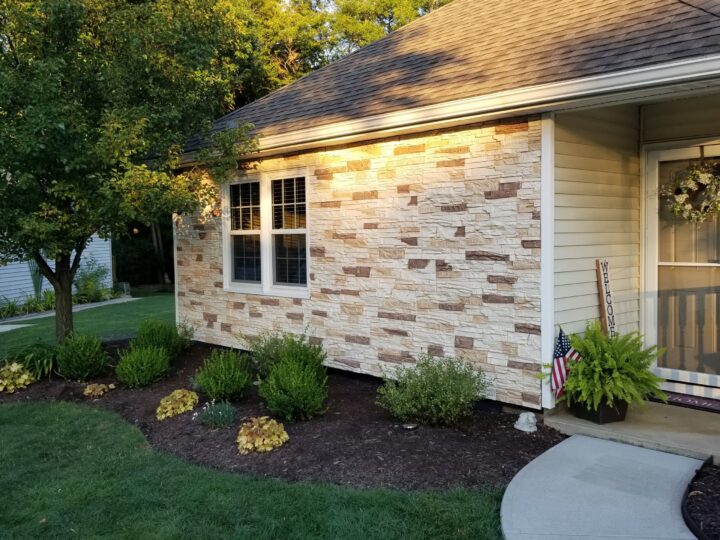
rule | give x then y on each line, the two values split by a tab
277	291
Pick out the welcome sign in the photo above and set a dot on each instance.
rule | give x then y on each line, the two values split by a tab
607	307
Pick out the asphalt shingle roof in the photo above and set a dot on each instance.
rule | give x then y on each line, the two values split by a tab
471	48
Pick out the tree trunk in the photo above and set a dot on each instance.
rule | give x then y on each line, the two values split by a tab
63	298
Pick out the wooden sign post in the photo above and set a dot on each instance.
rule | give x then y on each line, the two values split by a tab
607	308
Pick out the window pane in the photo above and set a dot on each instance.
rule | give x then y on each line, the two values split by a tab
288	203
290	259
245	206
246	258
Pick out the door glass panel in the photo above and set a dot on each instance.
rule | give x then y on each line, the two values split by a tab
688	287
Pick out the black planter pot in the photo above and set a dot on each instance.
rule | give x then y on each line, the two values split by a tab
604	414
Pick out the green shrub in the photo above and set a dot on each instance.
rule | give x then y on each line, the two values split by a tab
267	347
436	391
48	300
39	359
612	369
219	414
224	375
81	357
9	308
90	282
142	365
296	387
153	333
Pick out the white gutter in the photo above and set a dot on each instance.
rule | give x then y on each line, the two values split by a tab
528	100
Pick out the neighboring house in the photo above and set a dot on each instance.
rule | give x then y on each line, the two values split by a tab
448	189
16	282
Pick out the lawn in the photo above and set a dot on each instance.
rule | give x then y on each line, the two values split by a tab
69	471
116	321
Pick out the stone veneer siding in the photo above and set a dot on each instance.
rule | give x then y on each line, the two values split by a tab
423	243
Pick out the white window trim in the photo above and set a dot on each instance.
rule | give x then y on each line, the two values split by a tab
267	286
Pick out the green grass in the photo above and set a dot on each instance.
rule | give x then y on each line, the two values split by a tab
116	321
69	471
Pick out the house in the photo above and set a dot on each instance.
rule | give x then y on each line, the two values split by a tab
16	279
449	188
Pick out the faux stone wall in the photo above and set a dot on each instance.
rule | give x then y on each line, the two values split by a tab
427	243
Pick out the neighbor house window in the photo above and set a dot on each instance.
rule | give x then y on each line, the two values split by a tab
266	245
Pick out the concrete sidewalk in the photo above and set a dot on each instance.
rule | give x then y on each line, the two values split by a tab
592	489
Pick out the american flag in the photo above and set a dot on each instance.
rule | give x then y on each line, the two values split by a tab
563	353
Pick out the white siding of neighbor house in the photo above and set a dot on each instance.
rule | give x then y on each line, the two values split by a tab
16	283
598	198
597	213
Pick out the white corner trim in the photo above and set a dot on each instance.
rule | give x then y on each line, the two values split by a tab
547	251
175	271
528	100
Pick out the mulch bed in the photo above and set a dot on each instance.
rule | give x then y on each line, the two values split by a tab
702	504
355	443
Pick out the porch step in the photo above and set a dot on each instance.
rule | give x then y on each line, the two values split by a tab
668	428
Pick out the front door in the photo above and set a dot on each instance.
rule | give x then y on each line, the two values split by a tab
682	282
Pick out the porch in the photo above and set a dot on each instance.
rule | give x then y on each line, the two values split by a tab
665	273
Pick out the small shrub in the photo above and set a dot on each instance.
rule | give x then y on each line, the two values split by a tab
142	365
224	375
39	358
261	435
81	357
178	402
9	308
436	391
14	377
296	387
97	390
90	282
153	333
219	414
48	300
267	347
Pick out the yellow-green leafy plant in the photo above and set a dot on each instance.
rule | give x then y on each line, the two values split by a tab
178	402
94	390
14	377
261	435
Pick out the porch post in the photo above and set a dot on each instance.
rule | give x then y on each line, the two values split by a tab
547	250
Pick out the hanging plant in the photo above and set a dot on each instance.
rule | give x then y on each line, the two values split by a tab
694	194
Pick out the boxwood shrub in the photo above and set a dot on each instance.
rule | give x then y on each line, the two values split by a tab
141	366
225	374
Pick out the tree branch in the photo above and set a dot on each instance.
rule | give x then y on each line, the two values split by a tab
79	248
45	269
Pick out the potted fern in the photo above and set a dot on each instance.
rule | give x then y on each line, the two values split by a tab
613	372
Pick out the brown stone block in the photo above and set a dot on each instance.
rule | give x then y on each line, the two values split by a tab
500	194
411	149
395	332
451	163
436	350
218	284
319	313
357	271
344	236
196	291
238	305
404	188
198	258
396	316
364	195
464	342
330	204
508	280
531	398
314	340
181	293
270	301
451	307
460	232
453	150
395	358
526	328
485	256
317	251
413	201
415	264
536	215
195	303
442	266
180	262
525	366
225	327
202	236
360	340
297	302
349	292
209	317
530	244
460	207
370	225
353	364
295	316
358	165
497	299
511	127
255	315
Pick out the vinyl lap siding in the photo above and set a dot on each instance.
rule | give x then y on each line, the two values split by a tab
15	281
693	118
597	214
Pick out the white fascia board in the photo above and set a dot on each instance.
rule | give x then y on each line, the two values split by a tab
526	100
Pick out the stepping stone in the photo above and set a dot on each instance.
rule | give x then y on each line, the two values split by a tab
592	489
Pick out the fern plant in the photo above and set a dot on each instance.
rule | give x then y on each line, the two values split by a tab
612	370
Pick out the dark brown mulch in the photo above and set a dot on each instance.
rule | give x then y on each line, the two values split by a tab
355	443
703	502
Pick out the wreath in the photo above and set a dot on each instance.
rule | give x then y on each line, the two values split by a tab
694	194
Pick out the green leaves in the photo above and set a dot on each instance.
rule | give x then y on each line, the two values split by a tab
612	369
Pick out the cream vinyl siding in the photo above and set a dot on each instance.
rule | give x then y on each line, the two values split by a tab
597	213
692	118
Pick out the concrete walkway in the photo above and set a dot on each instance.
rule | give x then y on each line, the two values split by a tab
76	307
593	489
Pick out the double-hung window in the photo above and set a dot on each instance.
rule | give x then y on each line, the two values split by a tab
265	235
